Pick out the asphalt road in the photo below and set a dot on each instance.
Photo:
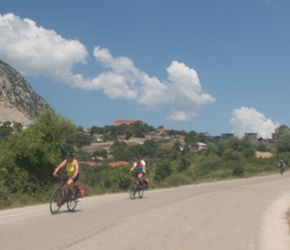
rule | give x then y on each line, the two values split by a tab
232	215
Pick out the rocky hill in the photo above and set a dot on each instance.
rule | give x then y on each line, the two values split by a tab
18	101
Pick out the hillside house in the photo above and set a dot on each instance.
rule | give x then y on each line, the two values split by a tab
253	137
201	146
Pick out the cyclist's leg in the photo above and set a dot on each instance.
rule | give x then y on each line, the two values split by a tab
70	186
140	177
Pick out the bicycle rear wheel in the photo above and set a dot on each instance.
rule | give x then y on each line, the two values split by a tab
56	201
133	190
71	204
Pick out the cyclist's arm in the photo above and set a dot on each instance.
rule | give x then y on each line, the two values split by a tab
62	164
144	167
133	167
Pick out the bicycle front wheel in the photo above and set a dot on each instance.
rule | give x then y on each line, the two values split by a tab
71	204
55	201
133	188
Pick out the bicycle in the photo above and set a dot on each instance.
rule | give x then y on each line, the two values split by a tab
282	169
137	187
62	195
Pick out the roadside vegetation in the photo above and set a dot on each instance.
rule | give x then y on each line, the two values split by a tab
29	156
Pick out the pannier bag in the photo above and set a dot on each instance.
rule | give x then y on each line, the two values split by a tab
81	191
147	182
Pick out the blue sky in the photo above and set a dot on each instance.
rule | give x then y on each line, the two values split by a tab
208	66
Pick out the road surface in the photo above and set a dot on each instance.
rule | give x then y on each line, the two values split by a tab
245	214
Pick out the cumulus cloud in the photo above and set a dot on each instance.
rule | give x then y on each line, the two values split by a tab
34	50
182	91
249	120
185	91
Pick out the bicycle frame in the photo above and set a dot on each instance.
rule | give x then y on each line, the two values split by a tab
63	188
282	169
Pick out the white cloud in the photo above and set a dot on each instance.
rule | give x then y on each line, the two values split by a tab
249	120
183	91
113	85
186	92
148	90
33	50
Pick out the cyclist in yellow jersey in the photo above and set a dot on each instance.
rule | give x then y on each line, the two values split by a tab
72	170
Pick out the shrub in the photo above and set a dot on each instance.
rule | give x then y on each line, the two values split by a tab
238	170
163	170
207	166
231	155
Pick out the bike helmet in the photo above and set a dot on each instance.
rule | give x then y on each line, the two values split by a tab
70	154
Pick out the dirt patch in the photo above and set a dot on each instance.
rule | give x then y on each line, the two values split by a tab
263	154
167	145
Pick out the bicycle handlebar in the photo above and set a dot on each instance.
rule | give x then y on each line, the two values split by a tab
61	177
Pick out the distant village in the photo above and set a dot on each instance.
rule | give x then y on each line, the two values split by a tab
253	136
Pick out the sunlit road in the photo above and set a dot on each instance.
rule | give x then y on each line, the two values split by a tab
219	216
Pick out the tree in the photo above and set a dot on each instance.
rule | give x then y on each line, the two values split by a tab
262	147
101	153
5	132
149	148
283	146
281	130
97	130
191	138
233	143
176	150
17	126
140	129
31	155
212	149
128	134
247	147
183	163
119	150
79	139
7	124
230	155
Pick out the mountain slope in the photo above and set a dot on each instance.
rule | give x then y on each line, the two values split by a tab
18	101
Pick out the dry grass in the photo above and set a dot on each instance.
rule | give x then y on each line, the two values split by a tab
167	145
263	154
